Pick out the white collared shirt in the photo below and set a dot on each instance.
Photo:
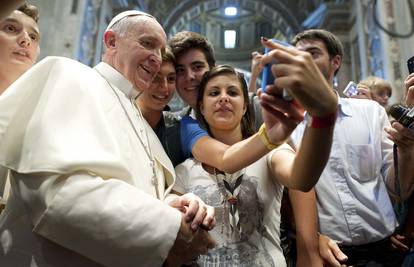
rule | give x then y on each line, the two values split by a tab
353	204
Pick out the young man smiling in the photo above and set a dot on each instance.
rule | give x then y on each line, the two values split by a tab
194	56
19	42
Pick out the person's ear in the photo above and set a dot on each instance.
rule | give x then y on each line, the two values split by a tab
244	109
110	39
336	62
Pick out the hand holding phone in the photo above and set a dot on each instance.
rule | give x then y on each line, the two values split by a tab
351	89
267	76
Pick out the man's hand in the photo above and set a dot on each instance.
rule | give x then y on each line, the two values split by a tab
188	245
330	252
299	75
256	67
195	211
398	242
404	139
402	136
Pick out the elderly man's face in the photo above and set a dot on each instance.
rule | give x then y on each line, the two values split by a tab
19	42
138	53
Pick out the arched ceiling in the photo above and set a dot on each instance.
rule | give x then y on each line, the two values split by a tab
254	19
271	18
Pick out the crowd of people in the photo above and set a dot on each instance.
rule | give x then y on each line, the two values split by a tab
94	171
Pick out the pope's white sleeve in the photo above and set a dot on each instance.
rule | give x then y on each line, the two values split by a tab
182	178
108	221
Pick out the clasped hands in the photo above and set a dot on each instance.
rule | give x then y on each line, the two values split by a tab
193	238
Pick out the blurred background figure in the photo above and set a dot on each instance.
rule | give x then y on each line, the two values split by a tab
256	69
376	89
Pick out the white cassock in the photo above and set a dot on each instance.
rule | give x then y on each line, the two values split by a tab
83	189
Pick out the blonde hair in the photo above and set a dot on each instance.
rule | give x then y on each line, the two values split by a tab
375	83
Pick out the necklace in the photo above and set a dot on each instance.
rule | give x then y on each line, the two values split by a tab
146	146
229	199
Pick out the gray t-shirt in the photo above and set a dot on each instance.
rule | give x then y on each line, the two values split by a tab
247	233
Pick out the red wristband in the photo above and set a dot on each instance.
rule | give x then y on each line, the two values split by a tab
322	122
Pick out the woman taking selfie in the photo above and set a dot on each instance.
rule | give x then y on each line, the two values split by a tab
247	202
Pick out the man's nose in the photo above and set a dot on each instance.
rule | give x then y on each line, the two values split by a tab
191	74
24	39
156	58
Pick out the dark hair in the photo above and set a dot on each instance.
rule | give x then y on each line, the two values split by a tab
30	10
185	40
332	43
247	119
168	56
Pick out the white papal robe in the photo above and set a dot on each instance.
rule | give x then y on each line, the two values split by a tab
82	188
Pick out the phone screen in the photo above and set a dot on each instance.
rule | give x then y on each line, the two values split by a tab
351	89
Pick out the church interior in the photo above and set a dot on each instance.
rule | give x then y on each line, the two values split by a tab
377	35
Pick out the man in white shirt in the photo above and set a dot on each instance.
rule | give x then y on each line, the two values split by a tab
354	206
90	180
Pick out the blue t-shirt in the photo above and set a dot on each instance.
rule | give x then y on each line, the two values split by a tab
191	131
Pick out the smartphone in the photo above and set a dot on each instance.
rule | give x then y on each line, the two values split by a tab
410	64
351	89
267	76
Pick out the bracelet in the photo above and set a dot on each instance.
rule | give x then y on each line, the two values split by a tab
265	139
322	122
